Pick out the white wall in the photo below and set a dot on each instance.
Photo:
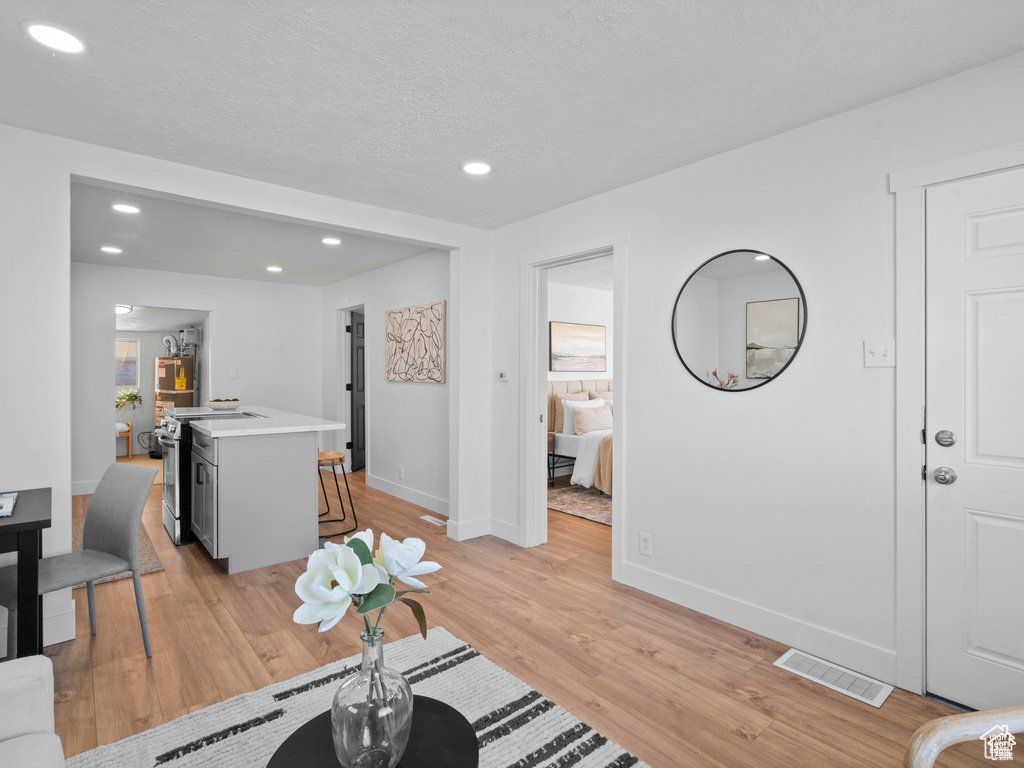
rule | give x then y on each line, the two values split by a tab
407	423
591	306
774	508
697	335
36	448
268	332
733	295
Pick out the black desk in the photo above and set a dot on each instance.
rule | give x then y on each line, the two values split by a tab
440	738
22	532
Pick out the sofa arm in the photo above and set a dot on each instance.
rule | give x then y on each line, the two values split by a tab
26	697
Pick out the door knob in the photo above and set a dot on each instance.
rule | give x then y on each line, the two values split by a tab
945	438
944	476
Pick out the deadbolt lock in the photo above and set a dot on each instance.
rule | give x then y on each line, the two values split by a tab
945	438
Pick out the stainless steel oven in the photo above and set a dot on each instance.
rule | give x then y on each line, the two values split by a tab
175	437
172	435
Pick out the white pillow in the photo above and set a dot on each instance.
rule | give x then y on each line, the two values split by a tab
569	423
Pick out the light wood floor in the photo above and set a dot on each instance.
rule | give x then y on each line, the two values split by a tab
674	687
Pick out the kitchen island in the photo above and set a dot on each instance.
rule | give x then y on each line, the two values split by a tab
253	485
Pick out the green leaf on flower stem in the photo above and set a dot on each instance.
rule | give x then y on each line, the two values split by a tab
401	592
362	551
378	597
417	611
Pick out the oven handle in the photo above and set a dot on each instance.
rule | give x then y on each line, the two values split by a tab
167	442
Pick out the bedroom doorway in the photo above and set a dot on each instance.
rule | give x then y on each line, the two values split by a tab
580	292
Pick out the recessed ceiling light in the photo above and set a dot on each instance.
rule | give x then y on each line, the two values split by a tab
52	37
273	269
125	208
331	241
762	257
477	169
123	309
110	249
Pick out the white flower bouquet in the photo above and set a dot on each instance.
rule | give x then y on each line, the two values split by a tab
341	575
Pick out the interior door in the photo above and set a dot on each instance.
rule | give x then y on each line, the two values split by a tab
975	485
358	410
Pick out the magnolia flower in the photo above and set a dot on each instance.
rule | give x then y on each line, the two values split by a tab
367	538
402	560
333	575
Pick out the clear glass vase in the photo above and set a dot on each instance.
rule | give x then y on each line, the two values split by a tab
372	711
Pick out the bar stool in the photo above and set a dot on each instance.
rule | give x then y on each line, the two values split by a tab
335	459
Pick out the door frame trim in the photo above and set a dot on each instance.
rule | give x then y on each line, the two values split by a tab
909	188
532	513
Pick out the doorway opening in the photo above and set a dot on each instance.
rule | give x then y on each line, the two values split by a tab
580	352
160	360
352	397
578	289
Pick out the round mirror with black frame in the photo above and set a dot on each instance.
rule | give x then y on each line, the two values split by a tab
739	320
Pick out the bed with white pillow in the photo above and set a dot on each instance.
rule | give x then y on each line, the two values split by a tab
582	451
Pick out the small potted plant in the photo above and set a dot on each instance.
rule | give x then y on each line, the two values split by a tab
127	397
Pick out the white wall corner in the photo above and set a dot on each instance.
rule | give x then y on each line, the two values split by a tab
440	506
507	531
469	529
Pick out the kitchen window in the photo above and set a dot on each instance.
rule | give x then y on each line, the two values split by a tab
126	364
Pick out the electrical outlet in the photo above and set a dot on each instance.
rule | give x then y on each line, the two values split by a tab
646	545
401	472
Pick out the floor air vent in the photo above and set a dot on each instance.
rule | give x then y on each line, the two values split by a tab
837	678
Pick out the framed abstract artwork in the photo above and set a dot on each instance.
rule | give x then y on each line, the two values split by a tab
415	344
577	347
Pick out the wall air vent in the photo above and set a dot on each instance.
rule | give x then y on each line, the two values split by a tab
835	677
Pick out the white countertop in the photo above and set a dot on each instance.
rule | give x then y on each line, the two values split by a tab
273	422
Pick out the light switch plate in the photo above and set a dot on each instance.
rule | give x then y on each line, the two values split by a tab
879	353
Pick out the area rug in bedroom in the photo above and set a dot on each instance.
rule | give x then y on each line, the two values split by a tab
582	502
515	725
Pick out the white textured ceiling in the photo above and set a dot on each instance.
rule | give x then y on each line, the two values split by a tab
189	237
382	101
596	273
146	319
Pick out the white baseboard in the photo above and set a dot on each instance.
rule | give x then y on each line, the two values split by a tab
84	487
866	658
58	627
469	529
440	506
506	531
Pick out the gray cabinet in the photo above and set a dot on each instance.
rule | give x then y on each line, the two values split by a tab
205	492
254	497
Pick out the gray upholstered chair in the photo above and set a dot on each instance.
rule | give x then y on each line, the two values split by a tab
110	545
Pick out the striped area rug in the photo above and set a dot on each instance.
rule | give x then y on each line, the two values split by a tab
515	725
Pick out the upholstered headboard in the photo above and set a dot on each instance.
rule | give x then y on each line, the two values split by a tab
555	388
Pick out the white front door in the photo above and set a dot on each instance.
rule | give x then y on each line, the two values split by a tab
975	391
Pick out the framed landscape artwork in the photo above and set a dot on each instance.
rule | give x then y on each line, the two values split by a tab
577	347
773	330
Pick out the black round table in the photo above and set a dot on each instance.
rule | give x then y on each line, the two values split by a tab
440	738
